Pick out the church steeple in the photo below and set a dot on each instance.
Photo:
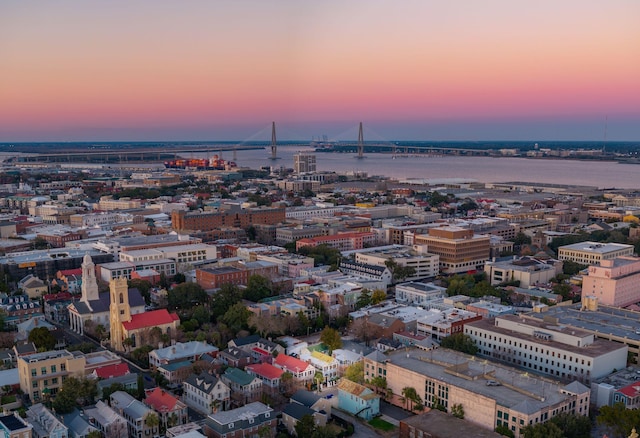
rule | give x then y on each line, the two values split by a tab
119	311
89	282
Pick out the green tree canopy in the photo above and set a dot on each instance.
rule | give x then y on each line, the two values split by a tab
364	299
186	296
258	287
355	372
42	338
460	342
305	426
378	296
223	299
619	419
331	338
75	392
236	317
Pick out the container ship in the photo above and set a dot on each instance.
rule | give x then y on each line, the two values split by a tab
215	163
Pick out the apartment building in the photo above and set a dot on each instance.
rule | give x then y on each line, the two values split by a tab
417	257
592	253
48	370
418	293
527	270
340	241
234	217
460	249
547	348
614	282
438	324
491	394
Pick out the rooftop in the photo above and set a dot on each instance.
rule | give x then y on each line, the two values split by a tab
595	247
247	411
150	319
467	372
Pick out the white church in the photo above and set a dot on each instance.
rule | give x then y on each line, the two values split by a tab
94	306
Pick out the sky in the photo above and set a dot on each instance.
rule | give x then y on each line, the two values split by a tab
89	70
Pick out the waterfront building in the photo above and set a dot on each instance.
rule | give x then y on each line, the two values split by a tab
304	162
592	253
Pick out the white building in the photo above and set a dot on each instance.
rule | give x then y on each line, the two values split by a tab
527	270
206	393
547	348
418	293
591	253
424	263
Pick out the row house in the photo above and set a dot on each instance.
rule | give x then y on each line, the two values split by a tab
245	388
206	393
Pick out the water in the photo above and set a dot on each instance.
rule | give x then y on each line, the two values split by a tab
602	174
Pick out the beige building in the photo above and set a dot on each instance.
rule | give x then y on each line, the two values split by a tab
490	394
416	257
613	282
592	253
48	370
460	249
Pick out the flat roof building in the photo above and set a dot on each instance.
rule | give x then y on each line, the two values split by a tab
460	249
615	282
592	253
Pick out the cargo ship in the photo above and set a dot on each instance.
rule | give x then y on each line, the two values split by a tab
215	163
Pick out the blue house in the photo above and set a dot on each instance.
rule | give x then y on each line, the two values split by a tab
358	400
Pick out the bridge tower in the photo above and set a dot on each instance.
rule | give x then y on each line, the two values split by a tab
274	146
360	142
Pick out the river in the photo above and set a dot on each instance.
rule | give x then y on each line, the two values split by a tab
601	174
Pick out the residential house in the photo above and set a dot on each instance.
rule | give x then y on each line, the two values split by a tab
172	411
313	400
302	372
269	374
78	424
128	381
324	363
179	352
106	420
33	286
235	357
293	413
206	393
242	422
357	399
45	423
176	372
245	388
136	413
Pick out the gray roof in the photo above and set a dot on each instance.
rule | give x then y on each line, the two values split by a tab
305	398
77	424
204	382
104	300
249	410
297	411
252	339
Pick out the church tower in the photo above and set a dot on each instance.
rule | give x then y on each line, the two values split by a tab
119	311
89	282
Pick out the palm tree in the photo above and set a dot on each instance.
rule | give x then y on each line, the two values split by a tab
172	420
215	404
410	394
152	421
127	343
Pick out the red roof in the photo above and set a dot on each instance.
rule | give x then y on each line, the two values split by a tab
261	351
265	370
160	400
291	363
68	272
115	370
630	390
58	296
150	319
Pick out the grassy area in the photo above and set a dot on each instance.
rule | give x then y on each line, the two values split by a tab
8	399
381	424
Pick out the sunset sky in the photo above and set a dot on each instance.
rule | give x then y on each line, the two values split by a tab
74	70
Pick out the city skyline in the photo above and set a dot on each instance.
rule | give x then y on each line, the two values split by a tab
415	70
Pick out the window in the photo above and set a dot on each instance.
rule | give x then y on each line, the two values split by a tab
63	367
53	368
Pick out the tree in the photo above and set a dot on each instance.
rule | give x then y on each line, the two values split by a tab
411	395
460	342
505	431
331	338
258	287
378	296
398	272
521	239
42	338
236	317
94	434
379	384
364	299
542	430
355	372
323	432
619	419
186	296
287	383
223	299
572	426
457	410
152	421
75	392
201	314
305	426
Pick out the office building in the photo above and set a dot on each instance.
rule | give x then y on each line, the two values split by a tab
460	249
592	253
614	282
304	162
